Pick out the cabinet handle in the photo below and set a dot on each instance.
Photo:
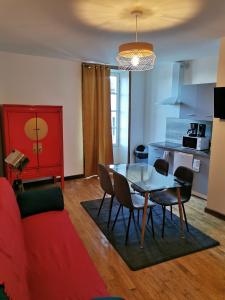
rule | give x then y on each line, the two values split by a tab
209	116
191	115
35	148
40	147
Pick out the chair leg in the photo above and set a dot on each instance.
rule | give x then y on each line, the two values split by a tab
103	199
171	212
185	217
128	226
110	210
116	216
164	216
149	215
133	218
152	223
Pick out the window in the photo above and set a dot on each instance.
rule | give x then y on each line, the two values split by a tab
115	106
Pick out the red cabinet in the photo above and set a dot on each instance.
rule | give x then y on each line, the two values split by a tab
37	132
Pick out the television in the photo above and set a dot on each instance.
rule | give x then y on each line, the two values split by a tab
219	102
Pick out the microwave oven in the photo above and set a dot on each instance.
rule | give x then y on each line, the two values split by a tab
195	142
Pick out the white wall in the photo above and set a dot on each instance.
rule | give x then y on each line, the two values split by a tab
138	89
37	80
158	88
202	70
216	190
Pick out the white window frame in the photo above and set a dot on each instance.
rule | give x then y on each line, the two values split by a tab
116	74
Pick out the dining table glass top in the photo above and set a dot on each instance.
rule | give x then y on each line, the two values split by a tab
146	177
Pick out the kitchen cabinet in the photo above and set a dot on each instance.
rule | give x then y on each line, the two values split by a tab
37	132
200	181
154	153
197	102
188	102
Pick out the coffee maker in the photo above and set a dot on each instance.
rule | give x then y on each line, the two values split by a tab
193	131
201	130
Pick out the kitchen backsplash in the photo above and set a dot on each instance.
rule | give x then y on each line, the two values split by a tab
176	128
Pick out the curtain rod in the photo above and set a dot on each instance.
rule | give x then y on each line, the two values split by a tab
110	66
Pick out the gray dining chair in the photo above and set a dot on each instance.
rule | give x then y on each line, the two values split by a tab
168	197
107	186
128	200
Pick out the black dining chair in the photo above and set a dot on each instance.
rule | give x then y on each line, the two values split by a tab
161	166
107	186
168	197
128	200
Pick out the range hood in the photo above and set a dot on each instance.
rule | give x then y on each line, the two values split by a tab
177	81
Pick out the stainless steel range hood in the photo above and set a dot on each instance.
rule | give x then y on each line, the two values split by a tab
177	81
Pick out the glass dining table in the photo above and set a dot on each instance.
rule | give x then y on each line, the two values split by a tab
148	180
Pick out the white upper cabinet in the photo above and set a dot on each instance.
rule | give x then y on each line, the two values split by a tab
197	102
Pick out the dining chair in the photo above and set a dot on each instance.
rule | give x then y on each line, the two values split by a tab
161	166
168	197
107	186
129	200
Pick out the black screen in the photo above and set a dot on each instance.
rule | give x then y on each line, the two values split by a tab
190	142
219	102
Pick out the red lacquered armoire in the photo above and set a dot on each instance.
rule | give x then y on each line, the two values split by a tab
36	131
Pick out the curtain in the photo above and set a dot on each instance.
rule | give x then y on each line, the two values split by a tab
96	107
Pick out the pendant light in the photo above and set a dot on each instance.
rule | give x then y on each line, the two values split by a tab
136	56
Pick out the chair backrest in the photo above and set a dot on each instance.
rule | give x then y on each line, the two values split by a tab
185	174
105	180
122	190
161	166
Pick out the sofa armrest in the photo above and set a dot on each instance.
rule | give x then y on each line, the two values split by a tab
39	201
3	296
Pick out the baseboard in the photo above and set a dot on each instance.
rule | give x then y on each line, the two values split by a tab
215	213
48	180
71	177
199	195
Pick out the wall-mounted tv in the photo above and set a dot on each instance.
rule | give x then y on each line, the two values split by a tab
219	102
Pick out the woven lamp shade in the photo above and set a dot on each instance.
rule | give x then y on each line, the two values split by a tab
136	56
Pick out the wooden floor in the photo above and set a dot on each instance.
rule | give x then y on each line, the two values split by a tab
196	276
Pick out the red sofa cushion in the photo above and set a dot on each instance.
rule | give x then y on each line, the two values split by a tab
13	261
59	265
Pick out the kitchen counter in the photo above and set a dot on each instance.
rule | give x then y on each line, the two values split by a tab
180	148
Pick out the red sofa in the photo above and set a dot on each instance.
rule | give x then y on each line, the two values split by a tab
42	256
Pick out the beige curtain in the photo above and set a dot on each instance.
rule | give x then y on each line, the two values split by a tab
96	107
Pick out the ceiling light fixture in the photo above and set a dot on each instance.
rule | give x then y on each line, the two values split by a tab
136	56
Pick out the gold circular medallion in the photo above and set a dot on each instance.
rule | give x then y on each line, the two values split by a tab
36	129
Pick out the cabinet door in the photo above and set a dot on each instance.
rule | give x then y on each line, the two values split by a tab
154	153
205	101
21	126
197	101
200	182
49	132
188	105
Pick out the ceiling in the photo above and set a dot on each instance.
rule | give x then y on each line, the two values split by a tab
91	30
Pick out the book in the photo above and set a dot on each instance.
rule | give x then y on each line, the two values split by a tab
17	160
